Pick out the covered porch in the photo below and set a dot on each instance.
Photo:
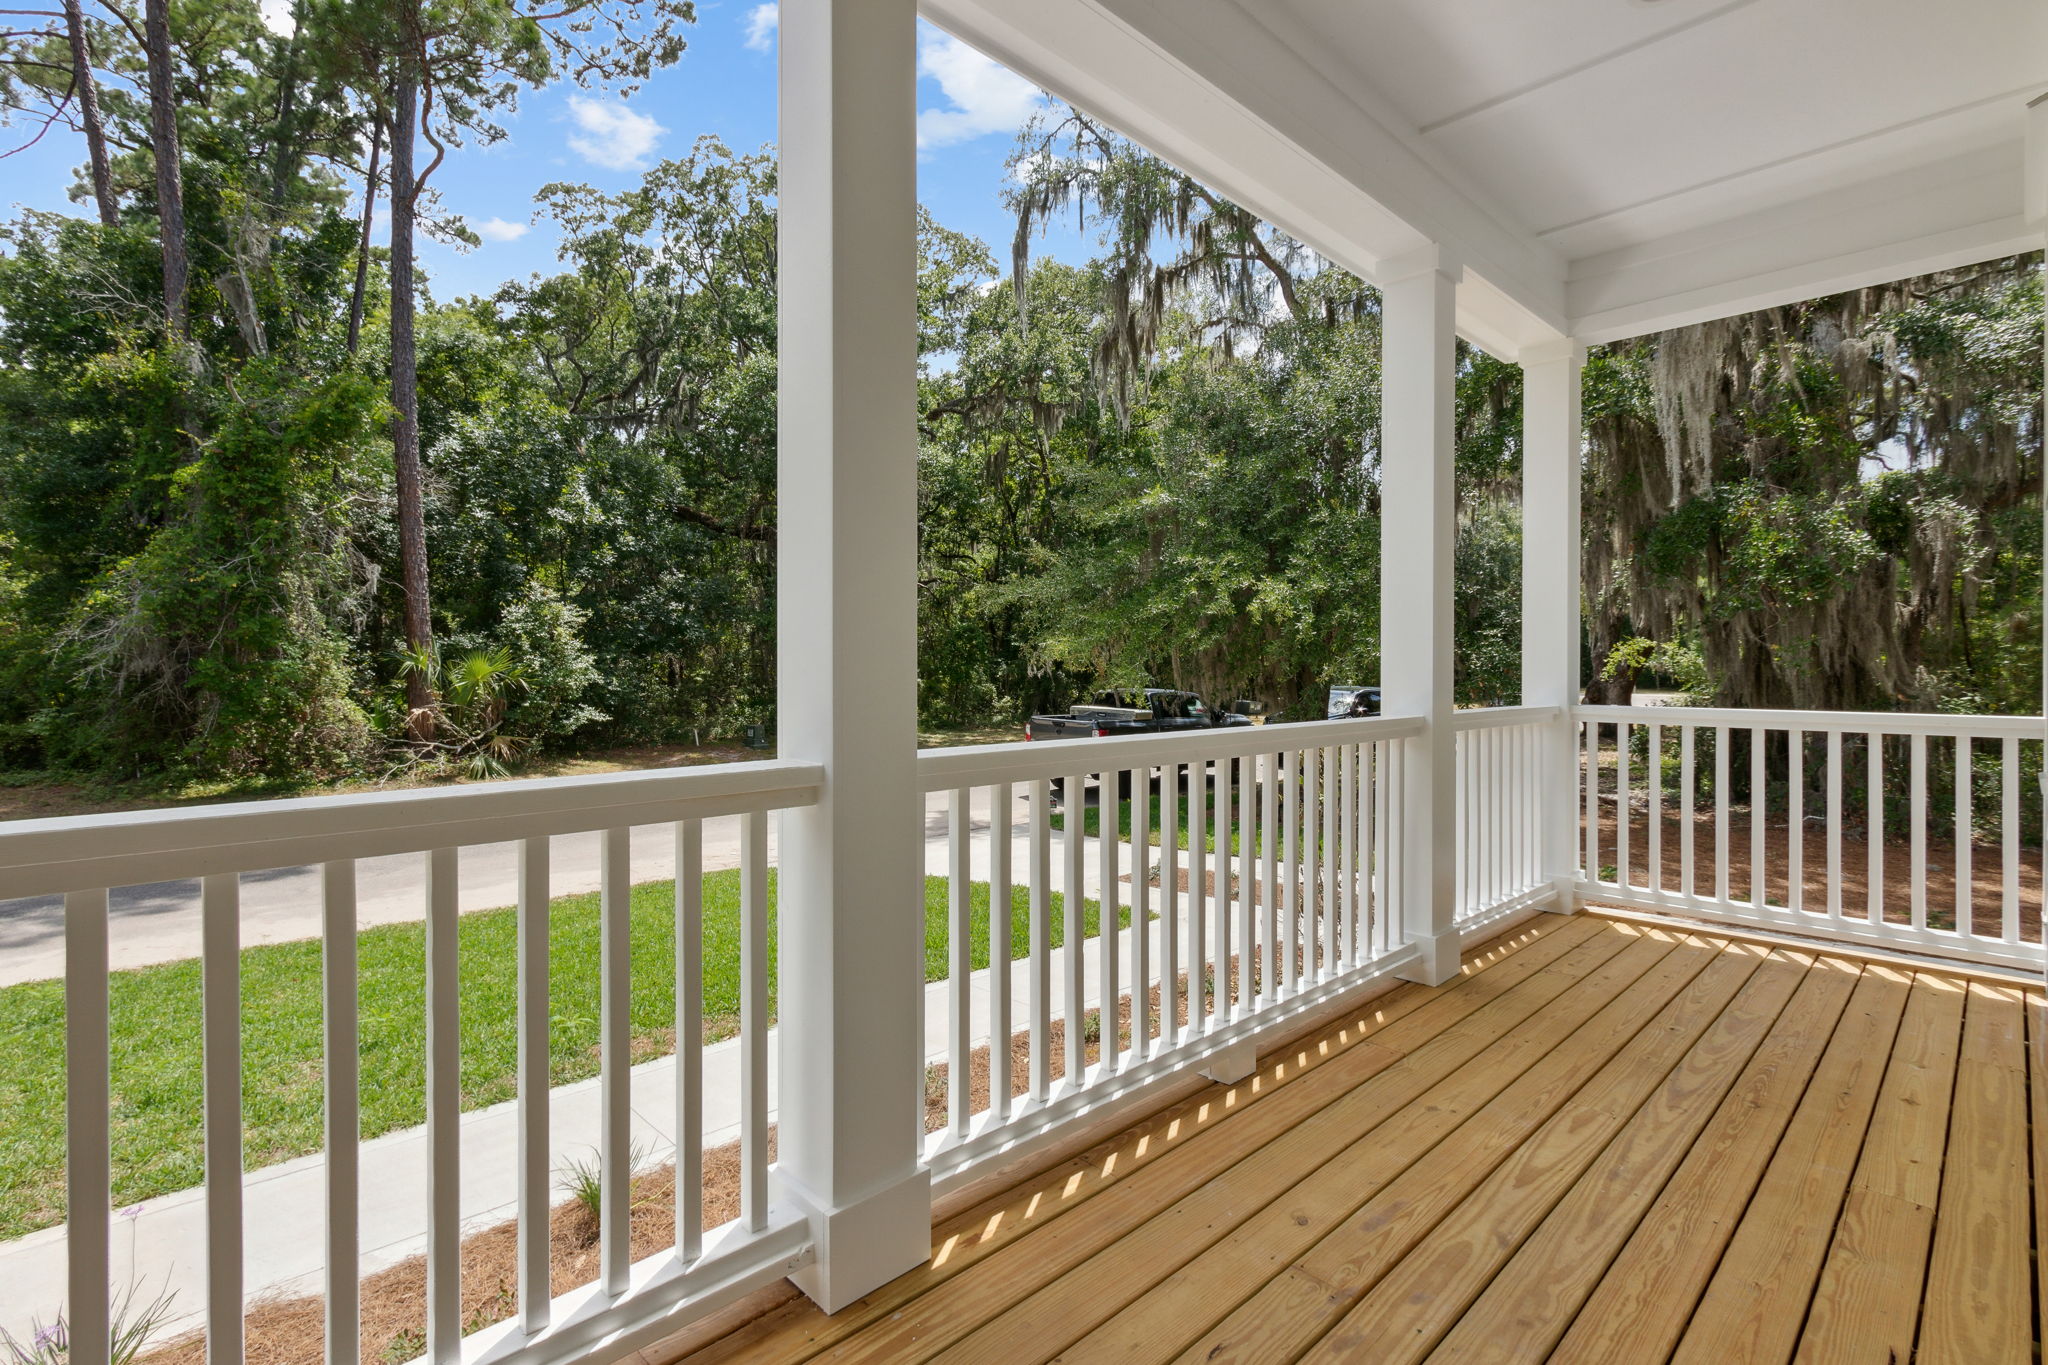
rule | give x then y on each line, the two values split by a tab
1395	1090
1609	1140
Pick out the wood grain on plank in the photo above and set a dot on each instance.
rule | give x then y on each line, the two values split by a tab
1979	1304
1867	1304
1036	1313
1161	1158
1532	1300
1641	1304
1474	1118
1408	1312
1756	1301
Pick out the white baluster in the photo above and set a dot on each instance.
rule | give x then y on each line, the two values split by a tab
1074	846
689	912
531	952
1965	826
754	1021
1107	991
1269	882
1795	819
444	1113
1834	824
88	1162
1874	829
1001	816
2009	839
1917	776
220	964
1039	982
960	946
1759	798
340	1076
615	1060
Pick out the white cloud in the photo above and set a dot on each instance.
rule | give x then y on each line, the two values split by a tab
983	97
498	230
613	136
762	21
277	17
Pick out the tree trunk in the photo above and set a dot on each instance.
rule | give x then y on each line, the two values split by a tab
355	301
89	113
405	425
170	190
284	164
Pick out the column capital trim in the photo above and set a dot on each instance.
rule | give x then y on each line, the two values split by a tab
1552	352
2035	200
1407	266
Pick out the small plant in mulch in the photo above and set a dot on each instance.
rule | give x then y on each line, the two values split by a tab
582	1179
410	1343
135	1320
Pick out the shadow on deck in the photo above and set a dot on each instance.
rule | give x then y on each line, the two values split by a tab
1608	1141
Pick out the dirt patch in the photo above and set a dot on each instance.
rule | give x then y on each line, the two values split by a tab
1986	884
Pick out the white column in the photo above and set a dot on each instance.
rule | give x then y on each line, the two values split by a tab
1550	590
2035	208
851	911
1418	535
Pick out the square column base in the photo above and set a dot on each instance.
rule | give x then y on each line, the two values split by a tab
1438	959
1233	1063
1567	901
860	1248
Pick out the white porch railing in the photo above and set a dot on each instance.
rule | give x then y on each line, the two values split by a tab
1284	895
1502	784
82	858
1912	830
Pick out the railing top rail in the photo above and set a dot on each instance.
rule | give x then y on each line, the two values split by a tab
82	852
1848	722
976	765
1500	717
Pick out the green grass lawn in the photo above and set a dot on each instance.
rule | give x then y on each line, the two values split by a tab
156	1032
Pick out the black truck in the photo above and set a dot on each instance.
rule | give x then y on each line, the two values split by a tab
1151	710
1133	712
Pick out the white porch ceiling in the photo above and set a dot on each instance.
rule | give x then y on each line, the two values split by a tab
1603	167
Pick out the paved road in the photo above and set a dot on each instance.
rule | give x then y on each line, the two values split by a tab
160	922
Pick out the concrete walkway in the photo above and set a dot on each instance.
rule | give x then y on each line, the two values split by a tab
161	1245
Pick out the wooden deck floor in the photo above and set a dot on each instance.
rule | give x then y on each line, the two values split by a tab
1607	1142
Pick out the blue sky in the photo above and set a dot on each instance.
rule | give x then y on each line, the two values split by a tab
968	113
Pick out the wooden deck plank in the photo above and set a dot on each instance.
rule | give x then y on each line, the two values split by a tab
1404	1317
1053	1312
1570	1154
1641	1304
2037	1093
1176	1150
1979	1304
1259	1163
1475	1132
1532	1300
1754	1305
1867	1305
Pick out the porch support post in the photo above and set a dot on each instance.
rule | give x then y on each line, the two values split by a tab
1550	591
2036	210
850	909
1418	536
